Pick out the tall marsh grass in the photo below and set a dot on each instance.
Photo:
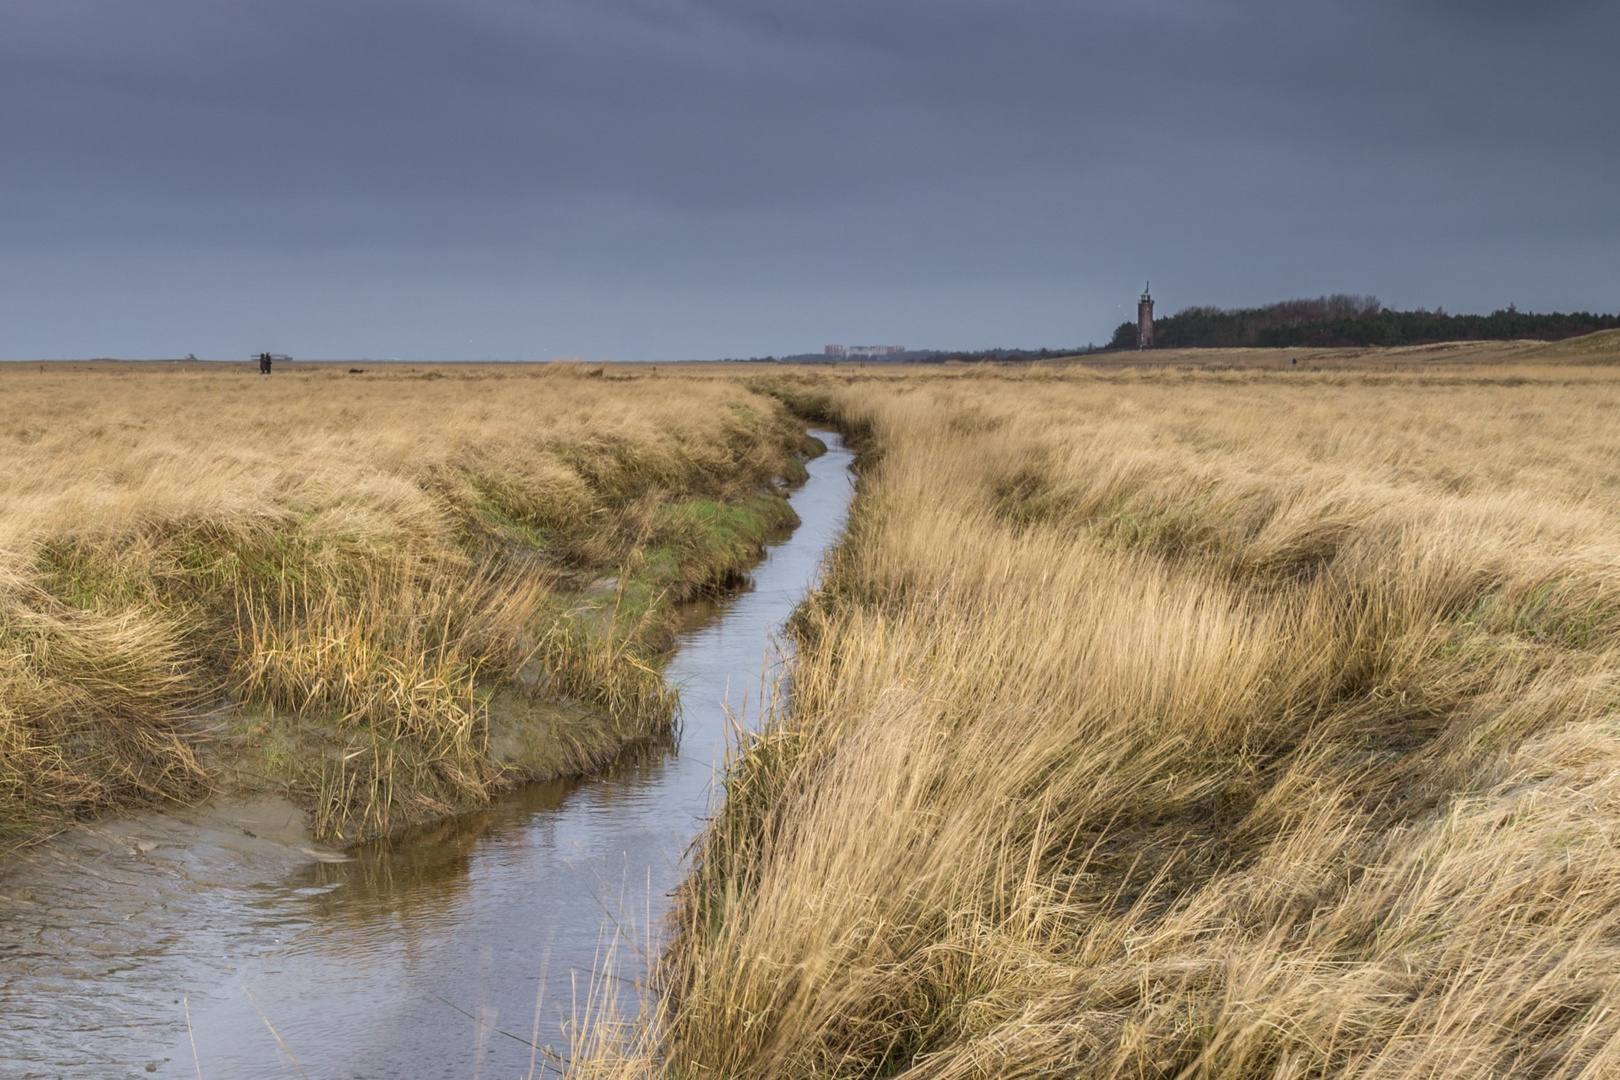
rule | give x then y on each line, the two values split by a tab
1181	725
345	567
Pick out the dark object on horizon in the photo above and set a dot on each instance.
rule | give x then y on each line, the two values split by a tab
264	363
357	371
1144	318
1342	321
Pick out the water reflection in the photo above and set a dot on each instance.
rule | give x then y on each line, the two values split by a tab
417	876
376	966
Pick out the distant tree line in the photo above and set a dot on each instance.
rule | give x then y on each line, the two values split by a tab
1340	320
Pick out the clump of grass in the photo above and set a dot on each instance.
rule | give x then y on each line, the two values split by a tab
1181	725
89	712
344	575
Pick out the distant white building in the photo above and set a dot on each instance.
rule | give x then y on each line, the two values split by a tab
844	352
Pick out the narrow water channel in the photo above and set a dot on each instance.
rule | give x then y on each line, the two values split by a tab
420	957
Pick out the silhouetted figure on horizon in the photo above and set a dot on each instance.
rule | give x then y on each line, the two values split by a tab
264	363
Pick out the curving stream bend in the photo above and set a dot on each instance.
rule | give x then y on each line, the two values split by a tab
419	957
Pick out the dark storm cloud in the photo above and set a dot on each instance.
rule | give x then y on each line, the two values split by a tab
700	177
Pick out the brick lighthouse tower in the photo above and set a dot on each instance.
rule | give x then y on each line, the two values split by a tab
1144	320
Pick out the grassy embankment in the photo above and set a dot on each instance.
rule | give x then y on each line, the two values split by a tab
1182	724
388	594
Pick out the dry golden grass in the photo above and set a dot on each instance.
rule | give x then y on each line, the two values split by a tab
334	573
1181	725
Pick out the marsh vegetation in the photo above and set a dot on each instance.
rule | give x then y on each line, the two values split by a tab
387	596
1180	724
1203	721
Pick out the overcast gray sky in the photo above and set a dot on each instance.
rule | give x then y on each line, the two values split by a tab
663	179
